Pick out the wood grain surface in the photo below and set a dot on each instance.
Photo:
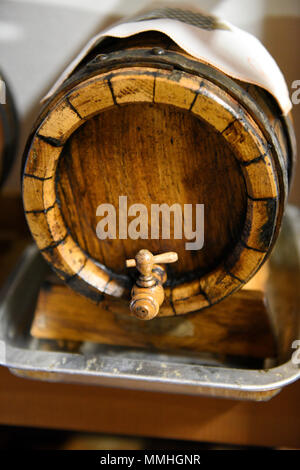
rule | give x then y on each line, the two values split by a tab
153	154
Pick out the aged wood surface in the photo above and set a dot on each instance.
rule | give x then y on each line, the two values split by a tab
156	136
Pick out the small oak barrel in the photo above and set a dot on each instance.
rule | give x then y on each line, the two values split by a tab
8	130
141	118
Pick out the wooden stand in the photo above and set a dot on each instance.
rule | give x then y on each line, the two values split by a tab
237	326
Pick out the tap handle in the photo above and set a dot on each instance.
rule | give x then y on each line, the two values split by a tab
145	260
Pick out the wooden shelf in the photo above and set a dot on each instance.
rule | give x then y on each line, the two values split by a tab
88	408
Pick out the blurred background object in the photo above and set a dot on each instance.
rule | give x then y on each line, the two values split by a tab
8	130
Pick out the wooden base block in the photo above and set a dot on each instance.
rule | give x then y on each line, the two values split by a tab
237	326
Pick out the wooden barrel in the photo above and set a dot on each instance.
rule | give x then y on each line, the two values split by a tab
141	118
8	130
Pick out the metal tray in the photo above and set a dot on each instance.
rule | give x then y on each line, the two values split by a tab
148	370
